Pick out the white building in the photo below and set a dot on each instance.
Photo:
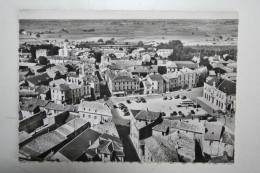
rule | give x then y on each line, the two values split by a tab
94	112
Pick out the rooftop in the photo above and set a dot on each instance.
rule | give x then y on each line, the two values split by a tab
147	115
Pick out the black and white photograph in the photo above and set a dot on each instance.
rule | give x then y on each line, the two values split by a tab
127	90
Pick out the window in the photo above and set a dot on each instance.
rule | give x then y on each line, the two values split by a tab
89	116
83	115
95	117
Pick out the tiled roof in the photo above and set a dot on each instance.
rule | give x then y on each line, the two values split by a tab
23	135
107	127
123	78
42	89
42	144
72	75
227	87
178	125
140	125
35	102
79	145
111	138
156	77
94	107
213	131
160	152
147	115
188	64
39	79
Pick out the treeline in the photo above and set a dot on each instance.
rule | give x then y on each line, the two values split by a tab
51	49
181	53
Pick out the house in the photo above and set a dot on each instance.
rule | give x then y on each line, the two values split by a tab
221	93
61	93
29	110
49	143
186	64
94	112
164	53
38	80
41	52
91	145
156	151
43	92
187	78
54	108
141	128
121	84
171	66
171	81
157	82
217	142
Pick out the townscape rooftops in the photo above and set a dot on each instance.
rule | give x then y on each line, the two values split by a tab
34	102
188	64
213	131
107	127
39	79
71	74
97	107
156	77
60	107
147	115
42	89
160	153
111	138
23	135
227	87
123	78
79	145
41	144
178	125
140	125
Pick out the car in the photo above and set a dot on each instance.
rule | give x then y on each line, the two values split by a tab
192	111
164	98
180	113
128	101
183	97
125	110
115	106
170	98
179	105
213	119
143	100
174	113
189	89
126	114
176	97
137	99
163	113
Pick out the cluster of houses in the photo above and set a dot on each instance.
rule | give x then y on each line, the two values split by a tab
62	117
157	139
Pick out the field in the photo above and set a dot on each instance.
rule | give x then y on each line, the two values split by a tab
190	32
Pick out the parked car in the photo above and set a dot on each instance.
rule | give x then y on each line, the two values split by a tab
180	113
115	106
163	113
137	99
189	89
183	97
179	105
125	110
170	98
126	113
121	105
128	101
143	100
176	97
174	113
192	111
164	98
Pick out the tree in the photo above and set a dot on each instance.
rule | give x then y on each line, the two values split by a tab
140	44
100	40
43	60
97	56
205	63
162	70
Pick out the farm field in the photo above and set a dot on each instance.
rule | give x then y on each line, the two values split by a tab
190	32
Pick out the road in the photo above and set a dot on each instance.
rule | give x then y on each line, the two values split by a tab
123	129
